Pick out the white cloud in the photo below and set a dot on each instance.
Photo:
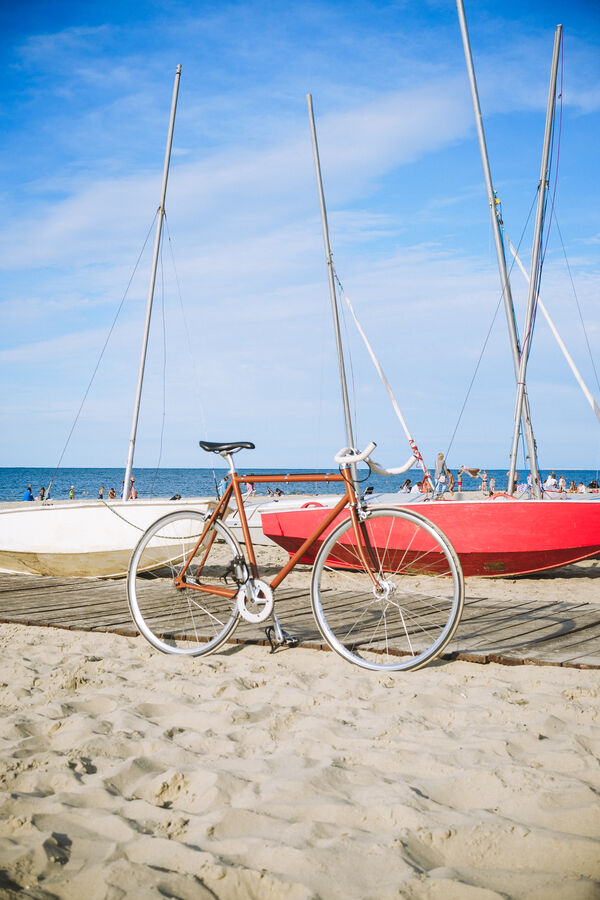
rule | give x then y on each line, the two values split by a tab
237	187
243	214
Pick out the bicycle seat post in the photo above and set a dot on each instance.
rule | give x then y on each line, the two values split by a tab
229	457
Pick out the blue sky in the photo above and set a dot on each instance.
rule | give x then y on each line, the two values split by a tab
85	106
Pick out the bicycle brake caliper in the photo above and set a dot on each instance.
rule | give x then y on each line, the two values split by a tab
362	511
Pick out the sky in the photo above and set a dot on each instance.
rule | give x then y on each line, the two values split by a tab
241	344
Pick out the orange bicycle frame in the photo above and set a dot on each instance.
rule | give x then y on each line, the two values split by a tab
349	500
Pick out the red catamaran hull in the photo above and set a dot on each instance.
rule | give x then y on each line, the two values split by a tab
491	537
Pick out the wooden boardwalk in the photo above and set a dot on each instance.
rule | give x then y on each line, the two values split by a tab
534	631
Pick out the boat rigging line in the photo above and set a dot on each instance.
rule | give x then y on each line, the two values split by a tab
164	369
489	333
100	357
579	378
585	334
415	453
199	405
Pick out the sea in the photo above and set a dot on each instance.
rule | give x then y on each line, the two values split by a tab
202	482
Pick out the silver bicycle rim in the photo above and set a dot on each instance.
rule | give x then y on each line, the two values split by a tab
181	621
413	620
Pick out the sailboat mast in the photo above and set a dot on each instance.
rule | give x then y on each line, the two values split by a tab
157	238
535	271
334	306
504	279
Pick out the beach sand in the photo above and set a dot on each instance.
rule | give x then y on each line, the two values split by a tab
126	773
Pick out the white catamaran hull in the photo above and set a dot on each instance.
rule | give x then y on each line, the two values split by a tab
73	538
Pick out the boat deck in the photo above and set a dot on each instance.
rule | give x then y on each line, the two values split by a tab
529	629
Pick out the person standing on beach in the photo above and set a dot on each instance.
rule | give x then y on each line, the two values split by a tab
133	494
28	495
101	492
441	474
484	483
72	492
42	493
112	494
492	485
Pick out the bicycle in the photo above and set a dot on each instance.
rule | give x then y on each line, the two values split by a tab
387	588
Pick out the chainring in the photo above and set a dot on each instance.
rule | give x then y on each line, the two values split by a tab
255	601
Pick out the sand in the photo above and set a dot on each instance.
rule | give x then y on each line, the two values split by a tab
126	773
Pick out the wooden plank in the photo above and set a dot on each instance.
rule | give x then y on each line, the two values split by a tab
511	636
533	631
585	642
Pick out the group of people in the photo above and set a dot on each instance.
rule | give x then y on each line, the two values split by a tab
132	493
443	480
28	495
112	494
553	484
250	489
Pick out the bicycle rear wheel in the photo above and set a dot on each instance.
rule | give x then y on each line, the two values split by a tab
403	609
185	620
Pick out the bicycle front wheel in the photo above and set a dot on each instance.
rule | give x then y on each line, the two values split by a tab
400	609
184	619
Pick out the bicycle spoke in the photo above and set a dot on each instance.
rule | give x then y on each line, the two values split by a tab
404	610
181	619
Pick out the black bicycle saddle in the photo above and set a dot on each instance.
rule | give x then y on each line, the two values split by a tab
211	447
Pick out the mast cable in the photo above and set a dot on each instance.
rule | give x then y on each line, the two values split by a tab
578	377
164	369
348	352
186	329
99	360
416	455
500	300
585	334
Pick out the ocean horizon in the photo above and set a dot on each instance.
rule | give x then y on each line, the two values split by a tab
201	482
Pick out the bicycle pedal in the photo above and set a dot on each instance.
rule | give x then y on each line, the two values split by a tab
287	640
